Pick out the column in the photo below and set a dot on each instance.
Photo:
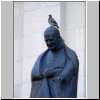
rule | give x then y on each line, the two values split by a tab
63	19
18	49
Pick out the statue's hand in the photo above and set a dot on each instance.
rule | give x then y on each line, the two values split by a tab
47	72
58	78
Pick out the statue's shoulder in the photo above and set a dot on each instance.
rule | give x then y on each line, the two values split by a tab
42	54
70	51
72	54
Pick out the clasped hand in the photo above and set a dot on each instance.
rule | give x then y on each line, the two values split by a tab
47	72
58	78
50	72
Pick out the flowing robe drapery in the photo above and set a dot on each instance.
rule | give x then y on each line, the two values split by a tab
43	87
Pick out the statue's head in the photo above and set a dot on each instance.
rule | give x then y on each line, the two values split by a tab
52	37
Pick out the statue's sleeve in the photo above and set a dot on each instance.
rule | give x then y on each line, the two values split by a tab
35	74
36	77
71	68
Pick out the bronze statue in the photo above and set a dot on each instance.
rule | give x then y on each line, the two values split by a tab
55	73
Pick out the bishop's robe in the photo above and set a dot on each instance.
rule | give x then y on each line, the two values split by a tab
63	63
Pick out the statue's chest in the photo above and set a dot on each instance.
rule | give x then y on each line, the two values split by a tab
57	59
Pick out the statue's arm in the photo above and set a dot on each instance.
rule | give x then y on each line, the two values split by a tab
69	71
35	77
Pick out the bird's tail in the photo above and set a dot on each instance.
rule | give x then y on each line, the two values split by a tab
57	26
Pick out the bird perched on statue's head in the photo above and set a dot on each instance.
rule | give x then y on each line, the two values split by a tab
52	22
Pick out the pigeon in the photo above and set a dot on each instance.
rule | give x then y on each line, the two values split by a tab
52	22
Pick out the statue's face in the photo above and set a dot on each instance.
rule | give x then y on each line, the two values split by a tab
52	41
